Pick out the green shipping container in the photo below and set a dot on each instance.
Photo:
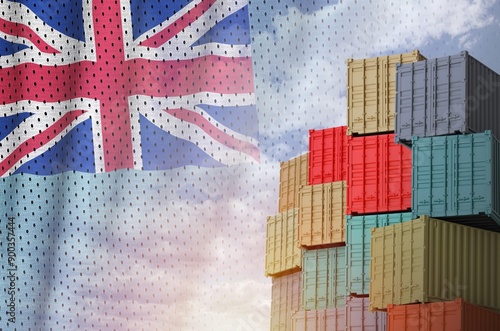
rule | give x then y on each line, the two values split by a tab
358	235
323	278
430	260
458	178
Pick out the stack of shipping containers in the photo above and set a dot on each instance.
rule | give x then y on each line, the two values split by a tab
376	219
442	270
283	255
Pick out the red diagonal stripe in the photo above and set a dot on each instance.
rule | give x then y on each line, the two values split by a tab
181	23
214	132
39	140
24	31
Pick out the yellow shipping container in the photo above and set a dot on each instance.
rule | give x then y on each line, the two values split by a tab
429	260
282	252
371	92
293	175
322	214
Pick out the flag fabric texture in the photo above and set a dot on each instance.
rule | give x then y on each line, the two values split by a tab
96	86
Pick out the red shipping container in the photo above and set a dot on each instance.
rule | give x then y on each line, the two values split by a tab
456	315
327	155
378	175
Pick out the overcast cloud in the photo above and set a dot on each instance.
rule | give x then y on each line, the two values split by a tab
300	60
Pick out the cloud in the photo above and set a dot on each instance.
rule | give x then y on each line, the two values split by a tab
300	67
147	258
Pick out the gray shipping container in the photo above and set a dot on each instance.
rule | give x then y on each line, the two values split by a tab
447	95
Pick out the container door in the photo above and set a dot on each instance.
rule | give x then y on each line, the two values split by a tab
430	171
296	286
309	279
410	101
322	286
335	224
473	167
319	212
450	95
358	253
289	240
305	216
430	126
271	243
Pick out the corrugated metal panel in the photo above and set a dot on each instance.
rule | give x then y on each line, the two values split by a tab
457	177
444	96
322	214
428	260
358	235
323	278
358	317
319	320
354	316
286	300
442	316
282	251
378	175
327	155
293	175
371	91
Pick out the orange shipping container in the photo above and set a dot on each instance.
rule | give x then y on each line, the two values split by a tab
322	214
456	315
283	255
293	175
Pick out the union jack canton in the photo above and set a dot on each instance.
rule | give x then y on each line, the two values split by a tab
97	86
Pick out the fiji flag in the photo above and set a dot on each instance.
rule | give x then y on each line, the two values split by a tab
96	86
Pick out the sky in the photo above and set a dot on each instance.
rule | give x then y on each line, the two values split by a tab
185	249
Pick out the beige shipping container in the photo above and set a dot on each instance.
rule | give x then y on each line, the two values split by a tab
371	92
286	294
429	260
283	254
293	175
322	214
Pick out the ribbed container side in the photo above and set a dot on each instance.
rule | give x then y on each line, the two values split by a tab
446	95
286	295
442	316
327	155
378	175
371	92
319	320
428	260
282	251
358	235
358	316
293	175
323	278
458	178
322	214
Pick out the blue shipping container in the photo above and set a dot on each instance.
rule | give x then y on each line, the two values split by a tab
457	178
358	237
323	278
